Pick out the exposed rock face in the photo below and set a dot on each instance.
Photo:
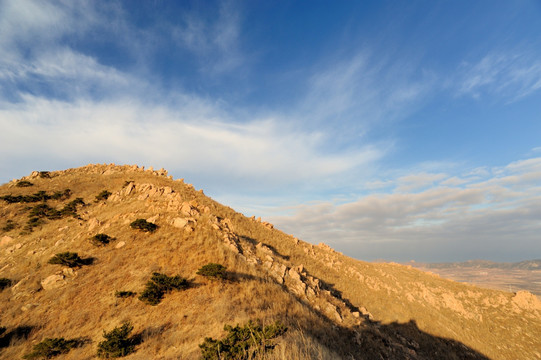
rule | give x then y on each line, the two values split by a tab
53	282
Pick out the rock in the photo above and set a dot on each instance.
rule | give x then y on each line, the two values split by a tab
69	272
120	244
179	222
128	189
93	223
53	282
153	219
28	307
6	240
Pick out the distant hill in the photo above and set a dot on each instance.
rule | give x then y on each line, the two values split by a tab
161	270
522	265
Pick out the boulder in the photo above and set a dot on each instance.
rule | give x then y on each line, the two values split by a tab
53	282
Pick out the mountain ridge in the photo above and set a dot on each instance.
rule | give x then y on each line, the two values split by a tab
341	307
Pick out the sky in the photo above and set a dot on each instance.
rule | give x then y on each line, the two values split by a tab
395	130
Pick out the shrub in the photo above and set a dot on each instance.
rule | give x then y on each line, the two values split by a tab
212	271
242	343
45	174
143	225
69	259
24	183
70	209
32	223
10	225
117	343
61	195
159	285
45	211
5	283
101	239
124	294
104	195
51	347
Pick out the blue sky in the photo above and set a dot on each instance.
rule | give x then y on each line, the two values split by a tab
387	129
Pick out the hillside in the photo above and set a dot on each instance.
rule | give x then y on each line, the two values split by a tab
334	307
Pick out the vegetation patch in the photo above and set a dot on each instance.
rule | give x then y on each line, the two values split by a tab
143	225
51	347
242	342
5	283
19	333
37	197
10	225
24	183
124	294
70	209
117	342
213	271
45	174
101	239
104	195
159	285
69	259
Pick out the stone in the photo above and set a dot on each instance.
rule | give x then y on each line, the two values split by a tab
93	223
53	282
153	219
6	240
120	244
179	222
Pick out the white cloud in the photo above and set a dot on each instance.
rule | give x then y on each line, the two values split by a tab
494	217
193	137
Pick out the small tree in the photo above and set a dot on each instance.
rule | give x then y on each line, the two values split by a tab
101	239
24	183
51	347
143	225
5	283
104	195
159	285
213	271
242	342
117	342
69	259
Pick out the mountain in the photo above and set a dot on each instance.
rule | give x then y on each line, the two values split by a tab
142	240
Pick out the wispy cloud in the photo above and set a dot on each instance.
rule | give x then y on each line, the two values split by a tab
215	41
512	75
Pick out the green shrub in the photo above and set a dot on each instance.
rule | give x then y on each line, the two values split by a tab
117	343
5	283
32	223
242	343
212	271
10	225
101	239
51	347
143	225
61	195
159	285
70	209
45	174
69	259
104	195
24	183
124	294
45	211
